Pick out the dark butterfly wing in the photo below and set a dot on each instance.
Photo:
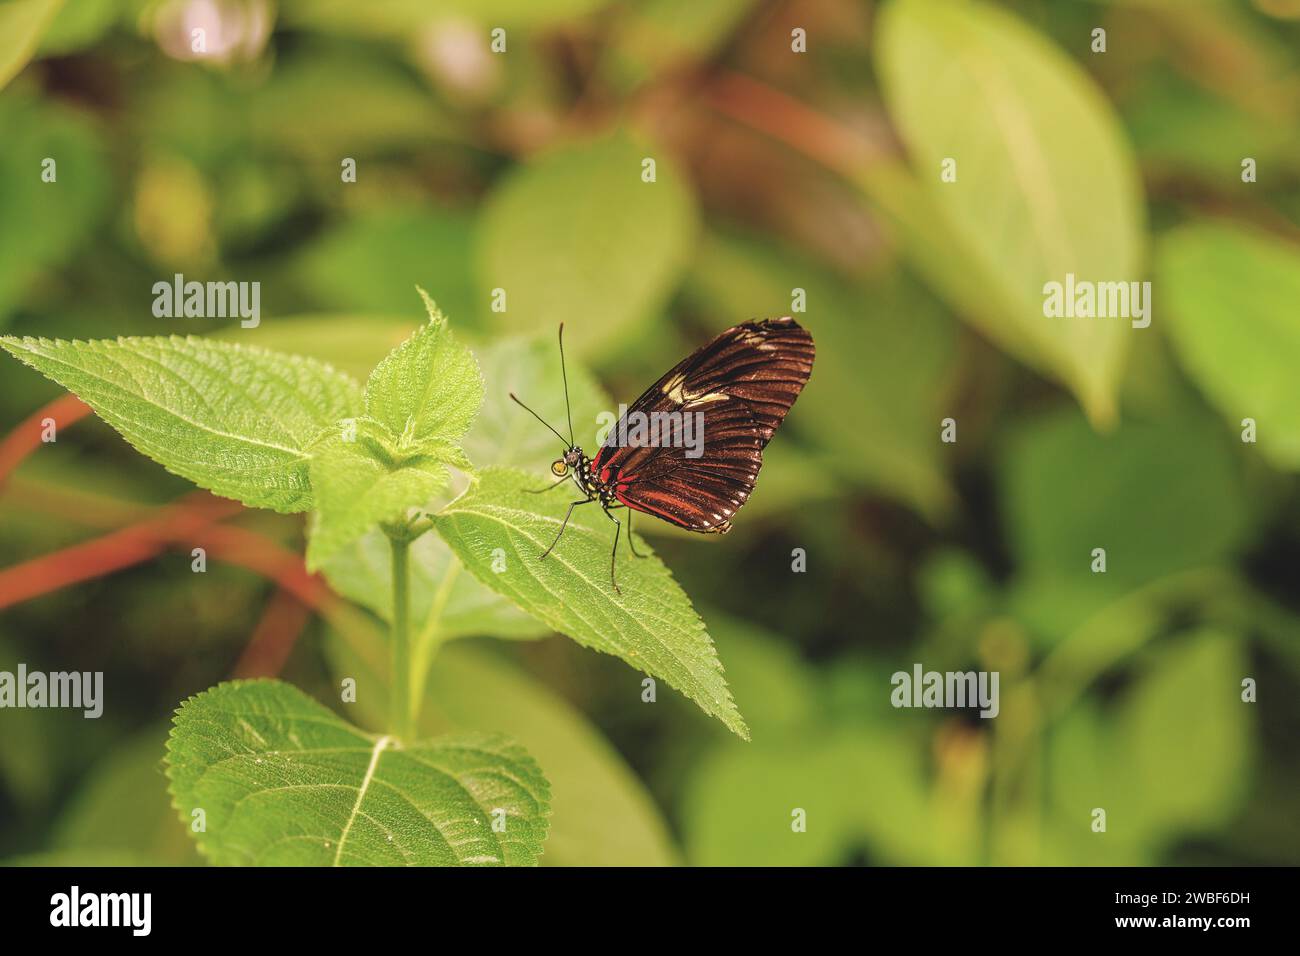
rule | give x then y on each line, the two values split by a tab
742	384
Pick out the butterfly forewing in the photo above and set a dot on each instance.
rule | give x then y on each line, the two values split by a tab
740	387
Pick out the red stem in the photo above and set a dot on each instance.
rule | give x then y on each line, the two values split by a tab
784	118
114	551
26	438
282	622
191	522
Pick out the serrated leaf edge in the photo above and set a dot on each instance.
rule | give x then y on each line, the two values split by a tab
741	729
511	747
20	348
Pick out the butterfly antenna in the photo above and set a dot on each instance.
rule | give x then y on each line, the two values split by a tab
516	400
565	375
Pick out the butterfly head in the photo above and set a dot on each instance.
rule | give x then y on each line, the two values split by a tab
572	460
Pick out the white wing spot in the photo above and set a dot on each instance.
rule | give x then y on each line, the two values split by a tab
673	389
693	400
757	340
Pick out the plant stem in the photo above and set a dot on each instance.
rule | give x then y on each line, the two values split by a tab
431	635
400	718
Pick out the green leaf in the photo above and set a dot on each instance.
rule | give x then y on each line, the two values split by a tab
79	25
1087	769
1183	129
781	689
1232	294
650	625
450	603
1171	761
1159	498
368	263
738	806
1046	184
378	108
601	812
21	24
446	603
603	815
657	36
428	387
43	222
420	400
1189	735
352	343
505	434
576	234
284	782
857	784
233	419
361	483
853	785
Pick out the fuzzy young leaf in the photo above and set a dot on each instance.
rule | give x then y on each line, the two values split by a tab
233	419
420	400
428	387
360	483
650	625
284	782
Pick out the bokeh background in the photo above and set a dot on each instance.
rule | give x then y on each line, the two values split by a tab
776	170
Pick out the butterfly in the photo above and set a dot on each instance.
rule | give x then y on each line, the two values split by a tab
689	449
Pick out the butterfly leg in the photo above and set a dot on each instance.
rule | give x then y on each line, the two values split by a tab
542	491
613	554
630	542
565	523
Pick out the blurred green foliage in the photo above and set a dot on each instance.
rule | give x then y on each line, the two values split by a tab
774	171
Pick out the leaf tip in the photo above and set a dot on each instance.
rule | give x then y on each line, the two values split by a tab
317	554
436	316
1101	412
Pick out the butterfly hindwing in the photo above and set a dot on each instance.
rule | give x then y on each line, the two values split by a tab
741	385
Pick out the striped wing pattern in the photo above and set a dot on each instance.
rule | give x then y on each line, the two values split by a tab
743	383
